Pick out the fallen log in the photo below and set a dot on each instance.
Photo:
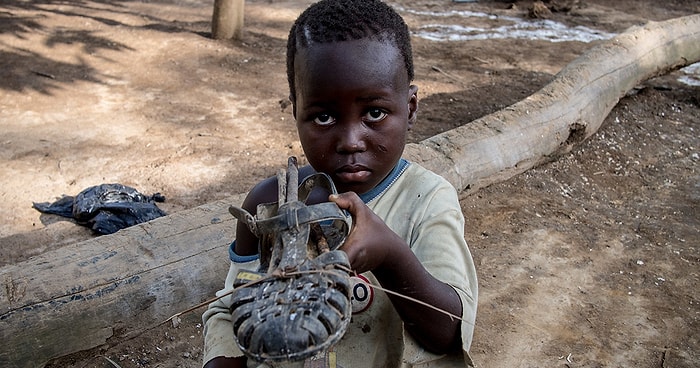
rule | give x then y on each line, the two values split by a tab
113	287
568	110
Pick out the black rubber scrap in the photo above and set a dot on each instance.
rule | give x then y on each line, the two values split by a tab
106	208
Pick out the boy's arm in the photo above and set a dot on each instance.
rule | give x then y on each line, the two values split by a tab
403	273
373	246
218	330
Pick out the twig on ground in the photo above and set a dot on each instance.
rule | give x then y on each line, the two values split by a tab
42	74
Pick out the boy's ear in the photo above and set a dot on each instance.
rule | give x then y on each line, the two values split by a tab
412	105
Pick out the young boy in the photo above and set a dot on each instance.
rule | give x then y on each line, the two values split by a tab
350	69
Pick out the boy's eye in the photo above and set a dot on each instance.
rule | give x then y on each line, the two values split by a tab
375	115
324	119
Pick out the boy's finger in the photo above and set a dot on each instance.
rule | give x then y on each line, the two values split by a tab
347	201
343	200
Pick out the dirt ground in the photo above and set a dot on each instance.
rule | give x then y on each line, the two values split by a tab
588	261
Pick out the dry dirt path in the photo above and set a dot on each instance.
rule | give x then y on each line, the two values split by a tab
588	261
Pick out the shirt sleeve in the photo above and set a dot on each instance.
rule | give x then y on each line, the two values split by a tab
218	328
438	242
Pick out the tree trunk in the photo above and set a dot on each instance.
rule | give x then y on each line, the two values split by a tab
116	286
227	21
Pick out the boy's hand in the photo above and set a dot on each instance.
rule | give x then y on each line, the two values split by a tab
370	241
373	246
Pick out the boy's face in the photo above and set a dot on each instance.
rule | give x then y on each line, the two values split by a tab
353	105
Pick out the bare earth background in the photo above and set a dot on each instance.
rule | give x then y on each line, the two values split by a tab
588	261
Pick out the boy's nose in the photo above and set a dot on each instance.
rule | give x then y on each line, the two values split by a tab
351	138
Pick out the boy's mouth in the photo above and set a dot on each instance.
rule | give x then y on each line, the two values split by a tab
353	173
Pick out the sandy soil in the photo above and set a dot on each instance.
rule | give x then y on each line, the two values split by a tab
588	261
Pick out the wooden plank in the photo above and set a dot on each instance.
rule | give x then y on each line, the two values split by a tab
79	296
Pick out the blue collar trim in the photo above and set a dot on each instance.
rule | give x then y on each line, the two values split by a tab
386	183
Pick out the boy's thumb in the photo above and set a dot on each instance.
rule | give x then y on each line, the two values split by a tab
340	199
336	198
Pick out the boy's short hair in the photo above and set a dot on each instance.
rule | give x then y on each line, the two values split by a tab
345	20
